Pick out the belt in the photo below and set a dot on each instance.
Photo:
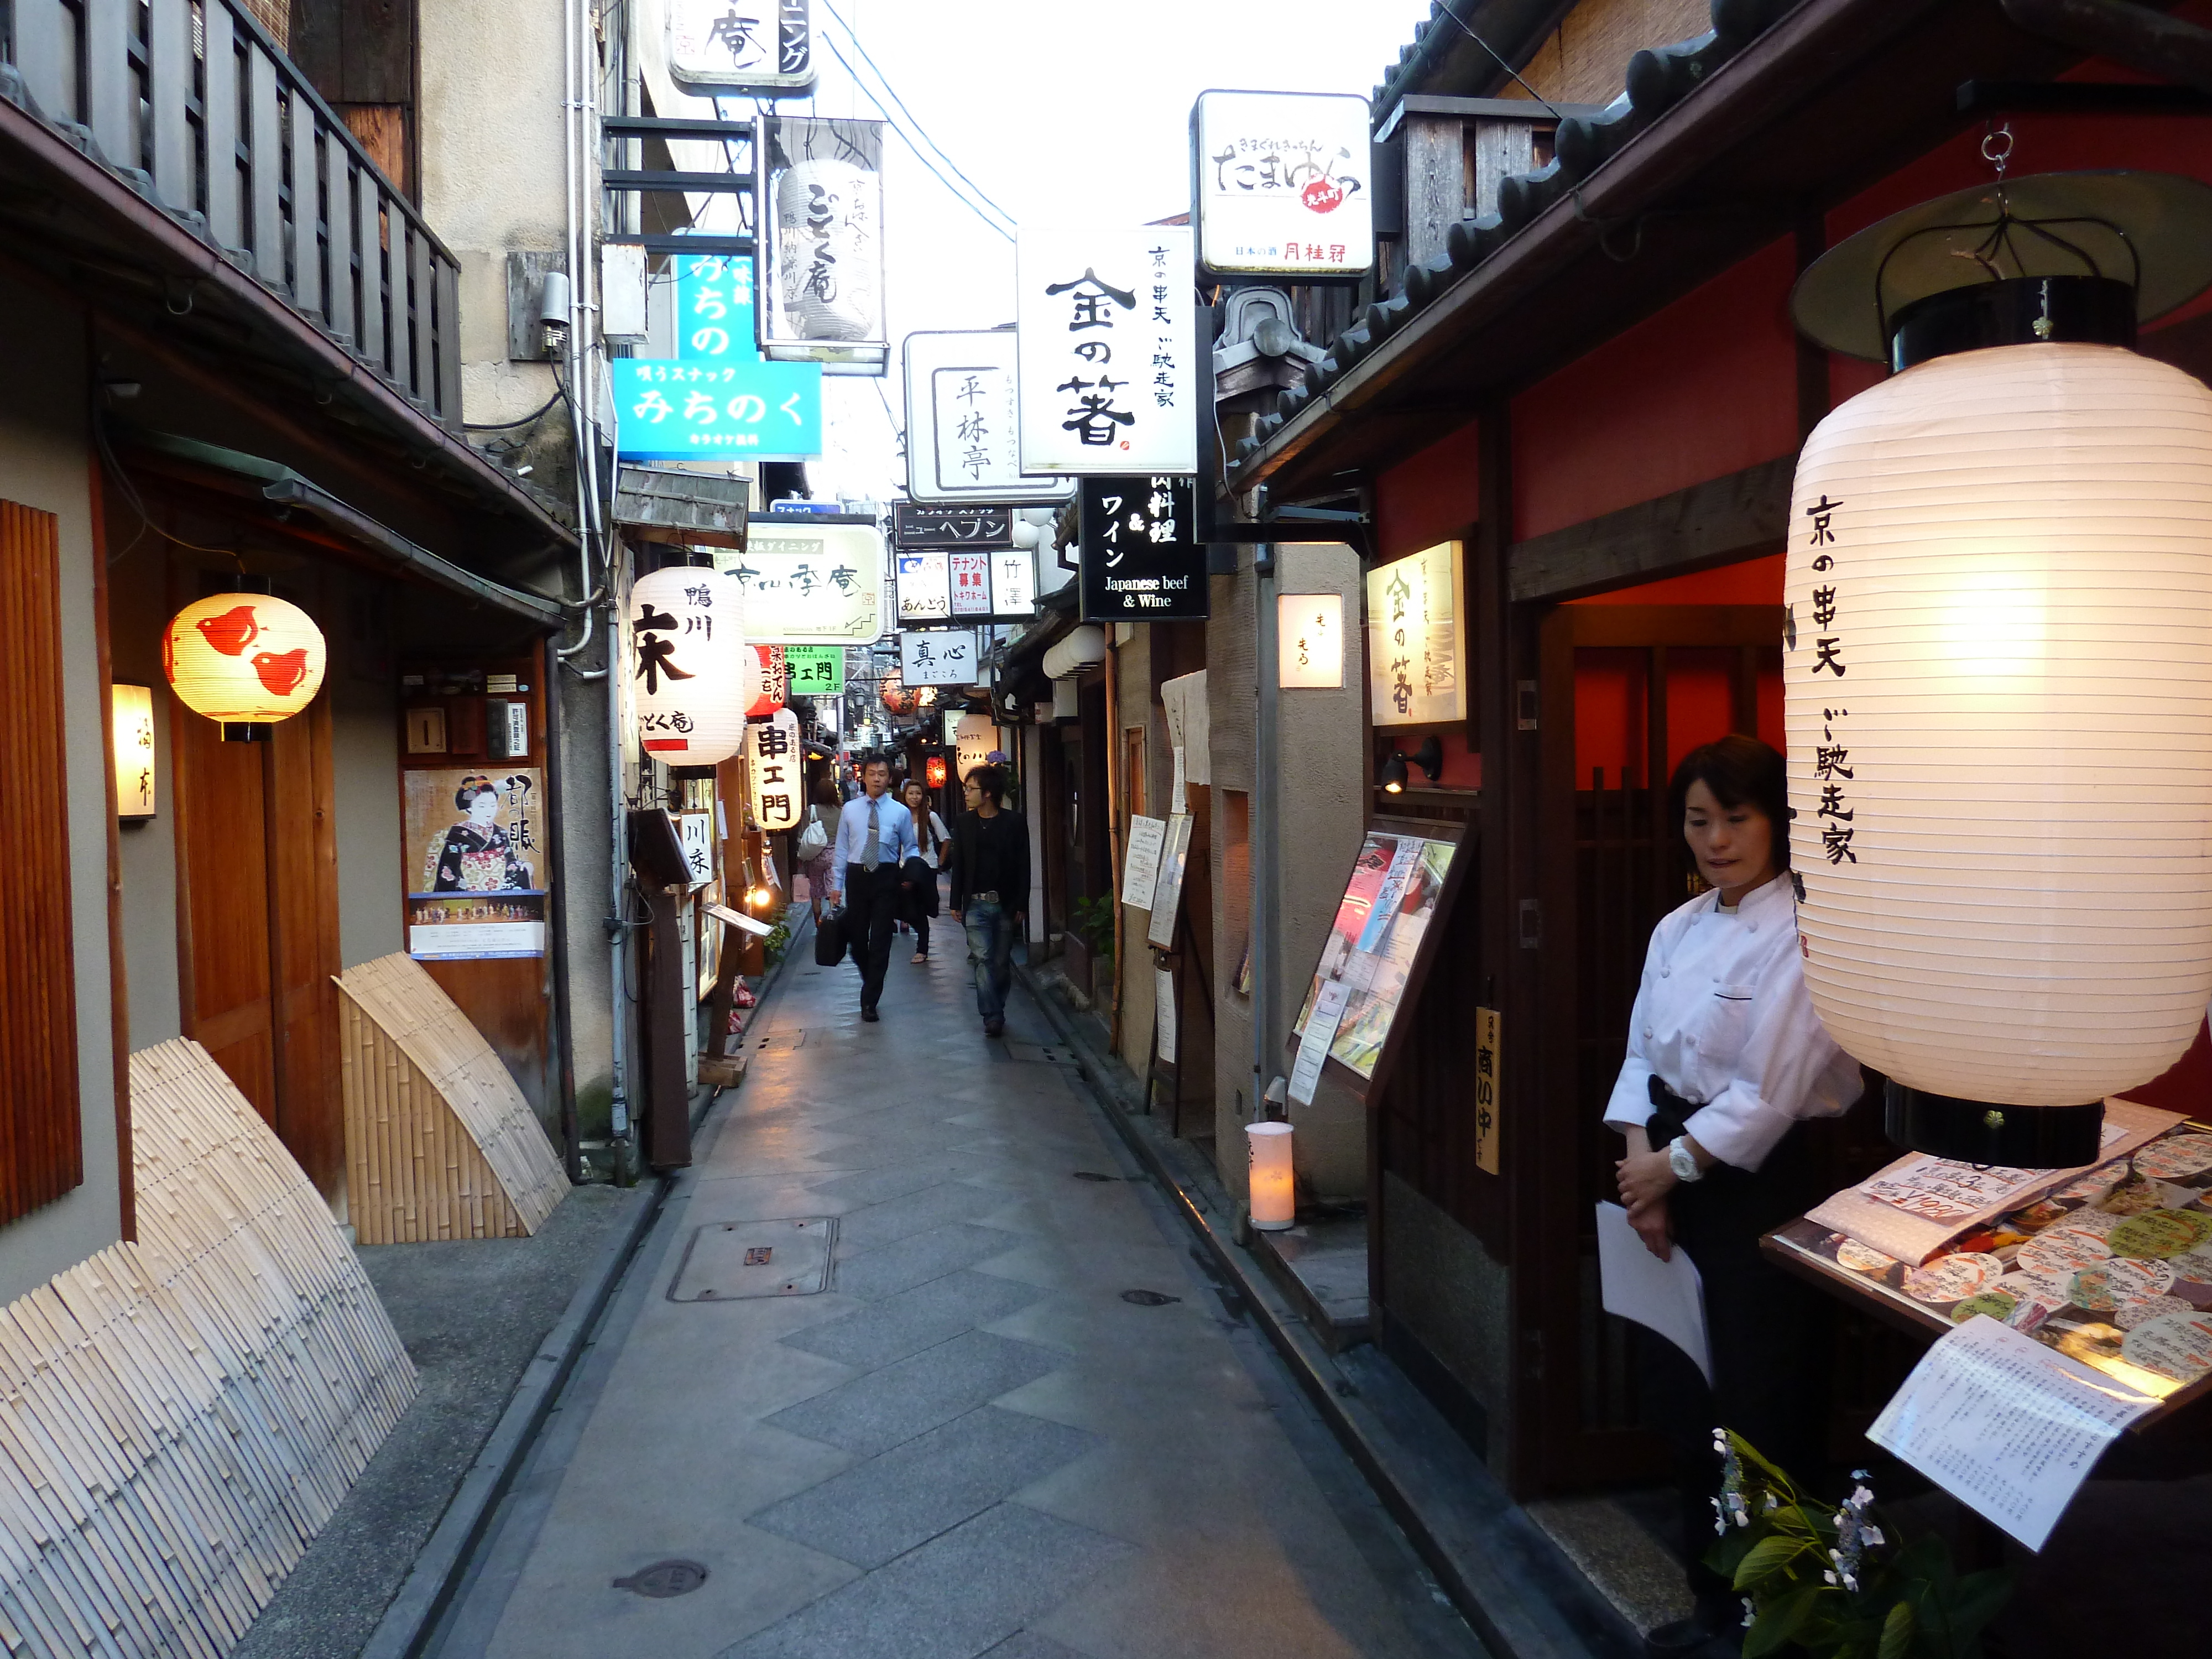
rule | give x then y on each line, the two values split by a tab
991	897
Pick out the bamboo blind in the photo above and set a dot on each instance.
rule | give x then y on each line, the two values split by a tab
41	1149
440	1143
179	1416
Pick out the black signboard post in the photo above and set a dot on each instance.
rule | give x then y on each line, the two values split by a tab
918	526
1139	563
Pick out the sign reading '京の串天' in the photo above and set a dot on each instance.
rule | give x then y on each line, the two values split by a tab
1415	649
1139	563
962	421
741	46
1106	381
1281	183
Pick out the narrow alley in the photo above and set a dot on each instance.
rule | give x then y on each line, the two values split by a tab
1016	1420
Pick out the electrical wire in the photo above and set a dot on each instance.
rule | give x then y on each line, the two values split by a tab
918	153
1444	6
536	414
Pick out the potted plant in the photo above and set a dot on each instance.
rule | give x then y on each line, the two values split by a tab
1090	940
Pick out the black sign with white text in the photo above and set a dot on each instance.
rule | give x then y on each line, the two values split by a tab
1139	561
917	527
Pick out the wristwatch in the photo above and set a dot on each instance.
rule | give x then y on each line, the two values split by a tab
1682	1161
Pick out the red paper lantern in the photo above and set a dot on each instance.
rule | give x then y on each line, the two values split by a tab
933	771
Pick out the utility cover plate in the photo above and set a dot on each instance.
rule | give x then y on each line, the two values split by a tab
733	1261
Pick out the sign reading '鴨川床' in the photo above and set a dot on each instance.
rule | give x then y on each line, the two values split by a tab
1139	561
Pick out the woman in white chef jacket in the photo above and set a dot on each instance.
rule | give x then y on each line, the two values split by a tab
1725	1057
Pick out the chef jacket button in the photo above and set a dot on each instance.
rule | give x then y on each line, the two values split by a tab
1647	1033
1754	927
1665	972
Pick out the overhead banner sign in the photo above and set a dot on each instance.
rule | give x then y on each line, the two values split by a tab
1139	563
809	582
716	398
962	421
764	46
814	670
915	527
941	657
819	207
1106	381
1281	185
940	586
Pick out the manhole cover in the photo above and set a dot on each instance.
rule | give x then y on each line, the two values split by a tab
1149	1299
733	1261
664	1579
1093	1174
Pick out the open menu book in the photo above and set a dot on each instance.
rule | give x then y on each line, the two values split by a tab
1912	1208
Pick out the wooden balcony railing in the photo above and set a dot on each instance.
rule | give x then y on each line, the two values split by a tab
195	104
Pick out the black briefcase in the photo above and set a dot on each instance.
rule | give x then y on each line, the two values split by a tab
830	939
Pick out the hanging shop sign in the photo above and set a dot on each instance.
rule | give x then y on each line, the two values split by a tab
478	870
772	682
689	680
916	526
243	660
808	581
132	739
1309	640
1416	649
946	656
820	209
814	670
925	588
1106	381
1281	185
970	574
761	46
1139	563
775	768
963	420
936	587
974	737
679	410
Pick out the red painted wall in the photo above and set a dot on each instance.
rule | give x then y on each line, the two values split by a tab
1705	387
1755	581
1431	497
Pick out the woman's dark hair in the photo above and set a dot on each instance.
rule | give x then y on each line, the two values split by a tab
825	793
1740	771
470	788
991	781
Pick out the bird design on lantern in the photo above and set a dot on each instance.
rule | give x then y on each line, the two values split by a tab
204	656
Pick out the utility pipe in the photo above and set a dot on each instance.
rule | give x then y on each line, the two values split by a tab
1267	1052
1113	821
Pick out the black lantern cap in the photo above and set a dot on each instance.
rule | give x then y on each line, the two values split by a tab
1980	1131
2151	232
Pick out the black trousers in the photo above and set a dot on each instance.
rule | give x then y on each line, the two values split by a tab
871	907
1769	1336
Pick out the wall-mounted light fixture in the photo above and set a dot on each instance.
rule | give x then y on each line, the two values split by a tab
1428	756
132	741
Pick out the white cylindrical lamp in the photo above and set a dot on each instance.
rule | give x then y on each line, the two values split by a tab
692	672
243	660
1998	702
1272	1185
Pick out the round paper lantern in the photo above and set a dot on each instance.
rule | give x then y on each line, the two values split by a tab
771	682
1998	677
827	218
897	697
245	659
689	665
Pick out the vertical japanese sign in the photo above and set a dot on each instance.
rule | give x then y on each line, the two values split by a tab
695	831
1308	640
939	657
776	768
1106	380
820	215
1139	563
962	421
971	583
741	46
715	397
1486	1079
1281	183
133	744
1819	636
1416	648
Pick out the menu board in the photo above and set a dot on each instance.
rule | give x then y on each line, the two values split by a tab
1375	944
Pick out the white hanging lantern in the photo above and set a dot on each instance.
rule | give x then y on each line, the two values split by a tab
1998	683
688	664
770	683
1272	1184
246	660
775	769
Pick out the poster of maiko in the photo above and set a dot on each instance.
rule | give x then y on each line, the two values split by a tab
477	864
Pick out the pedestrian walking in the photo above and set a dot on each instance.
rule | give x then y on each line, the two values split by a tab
875	837
990	887
818	863
929	836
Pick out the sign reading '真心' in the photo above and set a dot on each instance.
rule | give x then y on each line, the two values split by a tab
1139	562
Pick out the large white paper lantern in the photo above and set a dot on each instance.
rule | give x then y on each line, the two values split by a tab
246	660
691	672
775	769
1999	710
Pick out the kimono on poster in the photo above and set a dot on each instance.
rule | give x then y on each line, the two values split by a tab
477	864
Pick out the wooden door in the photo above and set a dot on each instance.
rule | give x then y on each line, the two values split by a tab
1626	691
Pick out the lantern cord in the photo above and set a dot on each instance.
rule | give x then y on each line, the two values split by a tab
130	492
1993	247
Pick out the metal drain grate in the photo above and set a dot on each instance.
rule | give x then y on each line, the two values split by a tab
664	1579
735	1260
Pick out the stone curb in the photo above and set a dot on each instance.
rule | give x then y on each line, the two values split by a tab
1467	1540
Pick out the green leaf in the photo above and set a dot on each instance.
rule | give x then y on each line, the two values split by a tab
1779	1622
1766	1558
1979	1598
1897	1632
1749	1454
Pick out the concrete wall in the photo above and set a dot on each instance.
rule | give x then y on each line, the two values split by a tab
364	695
44	463
1445	1290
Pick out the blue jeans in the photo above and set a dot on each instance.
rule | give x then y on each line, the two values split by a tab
991	954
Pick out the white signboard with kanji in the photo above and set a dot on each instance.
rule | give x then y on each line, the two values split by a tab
938	657
925	587
1282	184
741	46
775	767
962	419
1106	384
1416	650
808	584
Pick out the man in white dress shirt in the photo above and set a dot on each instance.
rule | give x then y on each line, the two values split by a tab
875	837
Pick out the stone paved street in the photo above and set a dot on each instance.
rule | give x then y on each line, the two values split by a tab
974	1440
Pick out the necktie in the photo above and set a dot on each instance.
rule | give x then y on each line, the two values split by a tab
873	855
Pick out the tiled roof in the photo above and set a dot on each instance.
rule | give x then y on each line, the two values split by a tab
1657	79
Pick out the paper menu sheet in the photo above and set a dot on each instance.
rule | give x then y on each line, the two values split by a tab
1668	1296
1913	1238
1313	1045
2005	1425
1140	864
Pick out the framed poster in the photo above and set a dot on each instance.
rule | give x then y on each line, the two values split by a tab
1378	956
476	869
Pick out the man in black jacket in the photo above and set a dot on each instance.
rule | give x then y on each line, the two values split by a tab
990	887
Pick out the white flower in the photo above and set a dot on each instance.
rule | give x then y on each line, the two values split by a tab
1830	1576
1742	1519
1851	1583
1748	1612
1862	1497
1720	1529
1871	1537
1773	1503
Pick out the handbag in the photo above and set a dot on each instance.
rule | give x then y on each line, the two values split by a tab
830	939
814	840
921	887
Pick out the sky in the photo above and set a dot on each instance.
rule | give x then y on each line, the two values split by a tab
1062	113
